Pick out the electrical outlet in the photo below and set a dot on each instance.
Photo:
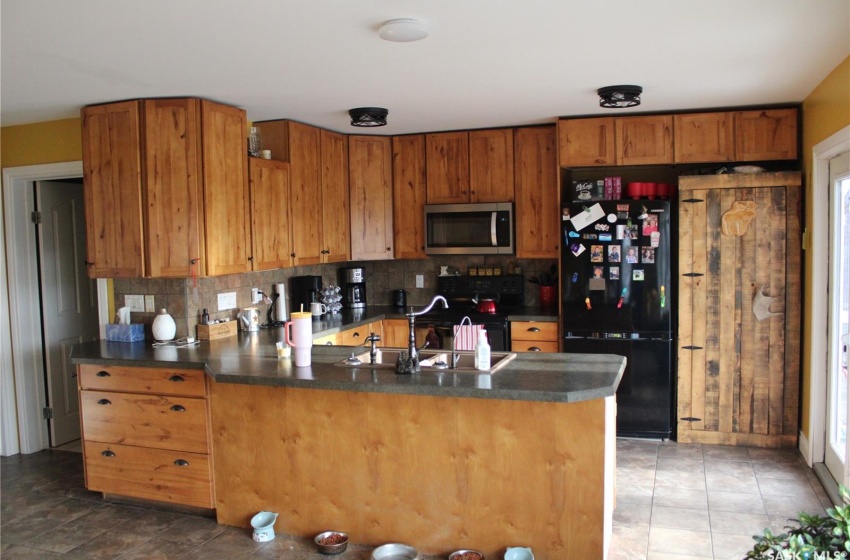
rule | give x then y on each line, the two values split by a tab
420	280
255	295
135	303
149	304
227	300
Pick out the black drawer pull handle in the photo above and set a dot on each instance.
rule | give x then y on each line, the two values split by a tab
181	463
103	374
108	453
178	408
176	378
534	349
357	334
533	329
104	401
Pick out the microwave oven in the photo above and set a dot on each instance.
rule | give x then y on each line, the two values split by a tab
469	229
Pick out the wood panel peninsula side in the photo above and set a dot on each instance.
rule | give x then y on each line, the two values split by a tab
441	461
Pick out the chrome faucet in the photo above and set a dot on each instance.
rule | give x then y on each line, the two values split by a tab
455	355
373	339
409	363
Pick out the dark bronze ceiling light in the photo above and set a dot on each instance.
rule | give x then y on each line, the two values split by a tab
619	97
368	116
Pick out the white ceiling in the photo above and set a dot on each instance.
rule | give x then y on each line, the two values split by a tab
485	63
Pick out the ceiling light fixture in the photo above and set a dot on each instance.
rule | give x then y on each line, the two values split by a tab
619	97
403	30
368	116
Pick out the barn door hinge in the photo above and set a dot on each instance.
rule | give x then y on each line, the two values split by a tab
690	419
691	347
692	200
693	274
47	412
36	217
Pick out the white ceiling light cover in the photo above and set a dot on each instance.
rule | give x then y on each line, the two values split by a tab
403	30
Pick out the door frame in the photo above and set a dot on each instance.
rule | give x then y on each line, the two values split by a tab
22	426
813	445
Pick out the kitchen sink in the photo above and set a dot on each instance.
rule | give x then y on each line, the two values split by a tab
435	361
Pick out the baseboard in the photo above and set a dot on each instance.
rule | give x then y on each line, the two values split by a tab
828	483
803	446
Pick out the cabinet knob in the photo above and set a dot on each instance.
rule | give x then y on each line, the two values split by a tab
533	329
176	378
104	401
181	463
103	374
107	453
292	255
88	263
178	408
251	259
534	349
389	249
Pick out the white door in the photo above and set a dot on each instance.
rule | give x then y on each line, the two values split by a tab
839	318
68	299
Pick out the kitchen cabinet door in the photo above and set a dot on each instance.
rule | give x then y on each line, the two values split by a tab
766	135
586	142
409	196
491	165
306	199
704	137
270	220
447	167
226	199
173	192
739	257
644	140
371	197
537	193
336	245
113	190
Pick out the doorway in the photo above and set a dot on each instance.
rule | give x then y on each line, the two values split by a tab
23	391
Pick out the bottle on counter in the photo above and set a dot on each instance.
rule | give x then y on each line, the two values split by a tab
205	318
482	352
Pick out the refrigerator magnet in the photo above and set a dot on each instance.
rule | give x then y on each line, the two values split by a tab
654	238
614	273
650	224
647	255
574	234
637	275
614	253
596	253
597	283
577	249
589	216
604	237
631	255
565	214
612	217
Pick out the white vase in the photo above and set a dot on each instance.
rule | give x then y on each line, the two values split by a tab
163	328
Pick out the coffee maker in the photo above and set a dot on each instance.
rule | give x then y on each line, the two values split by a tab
355	288
304	290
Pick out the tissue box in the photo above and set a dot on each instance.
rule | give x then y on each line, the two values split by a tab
133	332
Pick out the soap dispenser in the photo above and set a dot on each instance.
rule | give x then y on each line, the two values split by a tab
482	352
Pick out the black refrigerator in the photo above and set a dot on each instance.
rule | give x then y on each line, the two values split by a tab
616	275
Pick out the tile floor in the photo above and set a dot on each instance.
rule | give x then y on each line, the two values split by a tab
675	501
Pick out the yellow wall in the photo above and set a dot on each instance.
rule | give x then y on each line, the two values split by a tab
825	111
45	142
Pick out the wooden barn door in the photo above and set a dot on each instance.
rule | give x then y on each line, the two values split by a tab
739	314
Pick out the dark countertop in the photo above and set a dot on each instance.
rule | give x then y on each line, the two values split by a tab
251	358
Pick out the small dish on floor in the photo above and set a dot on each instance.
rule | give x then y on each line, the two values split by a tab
395	551
331	542
466	554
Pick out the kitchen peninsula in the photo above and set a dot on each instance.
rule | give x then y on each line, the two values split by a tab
442	461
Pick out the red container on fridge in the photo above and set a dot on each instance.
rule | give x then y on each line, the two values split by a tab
650	190
635	190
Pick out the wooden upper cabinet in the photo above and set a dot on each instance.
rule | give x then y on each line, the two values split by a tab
271	224
371	183
113	190
704	137
537	193
586	142
491	165
766	135
173	189
226	202
336	245
447	169
644	140
306	198
409	196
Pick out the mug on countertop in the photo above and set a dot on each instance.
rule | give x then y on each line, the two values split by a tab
317	309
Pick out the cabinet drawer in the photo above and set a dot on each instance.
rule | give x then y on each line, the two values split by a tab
357	336
152	474
534	330
162	381
534	346
157	421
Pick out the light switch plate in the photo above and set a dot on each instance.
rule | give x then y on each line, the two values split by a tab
149	304
135	303
227	300
420	280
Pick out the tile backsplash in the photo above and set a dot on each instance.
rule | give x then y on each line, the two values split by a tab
185	299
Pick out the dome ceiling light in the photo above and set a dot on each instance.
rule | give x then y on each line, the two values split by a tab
619	97
368	116
403	30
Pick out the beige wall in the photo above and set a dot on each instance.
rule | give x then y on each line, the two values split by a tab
46	142
825	111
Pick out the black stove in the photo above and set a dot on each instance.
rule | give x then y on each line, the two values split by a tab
461	291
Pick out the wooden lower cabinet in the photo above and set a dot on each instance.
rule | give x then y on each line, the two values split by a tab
397	331
146	433
534	336
739	258
358	335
